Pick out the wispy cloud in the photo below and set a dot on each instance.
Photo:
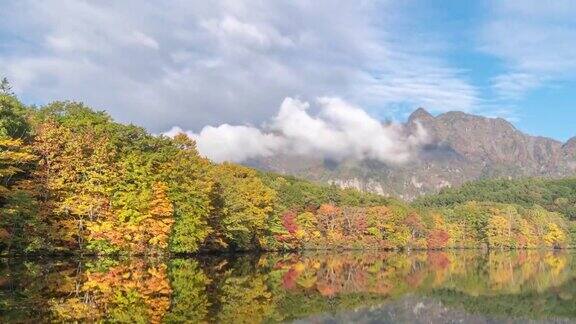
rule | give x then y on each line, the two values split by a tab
534	39
195	63
514	85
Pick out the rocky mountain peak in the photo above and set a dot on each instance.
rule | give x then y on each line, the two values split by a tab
462	117
420	115
569	149
571	142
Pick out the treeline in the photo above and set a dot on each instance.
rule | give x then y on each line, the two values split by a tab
396	226
73	180
557	195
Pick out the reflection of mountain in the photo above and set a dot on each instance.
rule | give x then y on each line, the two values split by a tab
462	147
556	303
439	285
408	309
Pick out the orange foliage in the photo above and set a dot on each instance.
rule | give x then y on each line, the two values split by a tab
414	222
328	216
159	223
150	282
438	260
437	239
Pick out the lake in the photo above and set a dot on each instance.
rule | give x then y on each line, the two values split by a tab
465	286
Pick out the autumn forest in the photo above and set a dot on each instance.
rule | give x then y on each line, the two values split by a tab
73	181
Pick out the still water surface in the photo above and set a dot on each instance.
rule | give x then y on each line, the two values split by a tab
320	287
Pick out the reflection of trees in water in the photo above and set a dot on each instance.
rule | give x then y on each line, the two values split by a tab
272	287
134	291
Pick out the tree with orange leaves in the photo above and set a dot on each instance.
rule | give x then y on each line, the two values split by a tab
158	224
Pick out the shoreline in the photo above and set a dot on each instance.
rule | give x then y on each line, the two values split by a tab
202	254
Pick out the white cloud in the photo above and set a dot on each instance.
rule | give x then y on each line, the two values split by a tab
232	143
229	30
338	131
211	62
60	43
145	40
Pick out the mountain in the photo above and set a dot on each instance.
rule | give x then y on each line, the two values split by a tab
461	147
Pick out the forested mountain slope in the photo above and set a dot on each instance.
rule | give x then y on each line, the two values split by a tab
553	194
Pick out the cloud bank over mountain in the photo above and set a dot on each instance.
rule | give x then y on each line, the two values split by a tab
338	130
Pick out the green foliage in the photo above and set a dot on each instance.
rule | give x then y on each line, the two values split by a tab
127	307
246	205
20	227
555	195
191	189
298	193
91	189
13	122
190	303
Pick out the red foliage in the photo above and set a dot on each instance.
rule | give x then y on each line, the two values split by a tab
289	239
438	260
328	217
415	279
522	257
437	239
522	241
414	221
327	289
361	223
289	279
4	235
289	222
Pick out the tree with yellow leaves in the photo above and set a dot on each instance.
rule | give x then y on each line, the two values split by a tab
245	205
191	190
497	232
159	222
526	237
20	227
555	236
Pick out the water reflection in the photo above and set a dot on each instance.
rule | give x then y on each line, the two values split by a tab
320	287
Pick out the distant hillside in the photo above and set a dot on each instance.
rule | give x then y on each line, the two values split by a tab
295	193
554	195
462	147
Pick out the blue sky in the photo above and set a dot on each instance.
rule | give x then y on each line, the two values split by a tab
197	63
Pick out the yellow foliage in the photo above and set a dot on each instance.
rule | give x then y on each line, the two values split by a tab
498	232
554	236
